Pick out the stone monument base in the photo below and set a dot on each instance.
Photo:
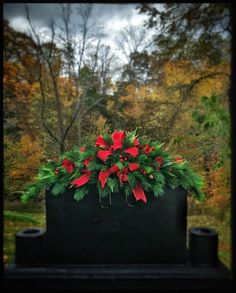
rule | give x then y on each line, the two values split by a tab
129	277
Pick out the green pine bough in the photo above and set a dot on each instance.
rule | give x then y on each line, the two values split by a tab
120	162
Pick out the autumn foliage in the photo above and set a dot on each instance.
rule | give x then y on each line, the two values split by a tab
22	160
167	107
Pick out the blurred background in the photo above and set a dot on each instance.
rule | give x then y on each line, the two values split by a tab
74	71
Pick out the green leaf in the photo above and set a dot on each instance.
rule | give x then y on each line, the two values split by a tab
158	189
148	169
111	183
58	188
166	164
131	180
119	165
127	190
31	192
80	193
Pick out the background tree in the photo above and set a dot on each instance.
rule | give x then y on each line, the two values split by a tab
132	41
192	30
66	59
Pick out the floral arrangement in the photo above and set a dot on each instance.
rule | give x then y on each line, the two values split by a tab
120	161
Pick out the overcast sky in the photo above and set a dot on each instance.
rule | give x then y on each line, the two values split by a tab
113	17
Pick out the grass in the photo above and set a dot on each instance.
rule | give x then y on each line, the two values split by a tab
16	217
19	217
16	220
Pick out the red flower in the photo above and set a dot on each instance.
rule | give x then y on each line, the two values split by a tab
86	161
133	166
100	142
136	142
133	151
82	149
103	155
68	165
147	149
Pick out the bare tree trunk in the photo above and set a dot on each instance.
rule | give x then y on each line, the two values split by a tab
79	122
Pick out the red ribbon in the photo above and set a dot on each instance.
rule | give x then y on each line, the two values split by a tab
133	151
118	135
100	142
117	138
103	155
82	179
139	192
102	177
114	169
133	166
116	145
123	174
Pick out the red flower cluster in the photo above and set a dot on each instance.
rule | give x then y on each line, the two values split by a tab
105	152
68	165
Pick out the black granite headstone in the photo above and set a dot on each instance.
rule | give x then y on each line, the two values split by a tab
84	232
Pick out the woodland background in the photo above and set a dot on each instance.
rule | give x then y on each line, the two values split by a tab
173	86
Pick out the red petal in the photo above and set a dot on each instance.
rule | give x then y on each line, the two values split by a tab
124	177
118	135
68	165
139	193
102	177
103	155
65	163
147	149
81	180
71	168
82	149
116	145
132	151
136	141
101	142
133	166
86	161
114	169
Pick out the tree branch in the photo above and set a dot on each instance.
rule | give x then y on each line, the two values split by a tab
83	95
43	107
